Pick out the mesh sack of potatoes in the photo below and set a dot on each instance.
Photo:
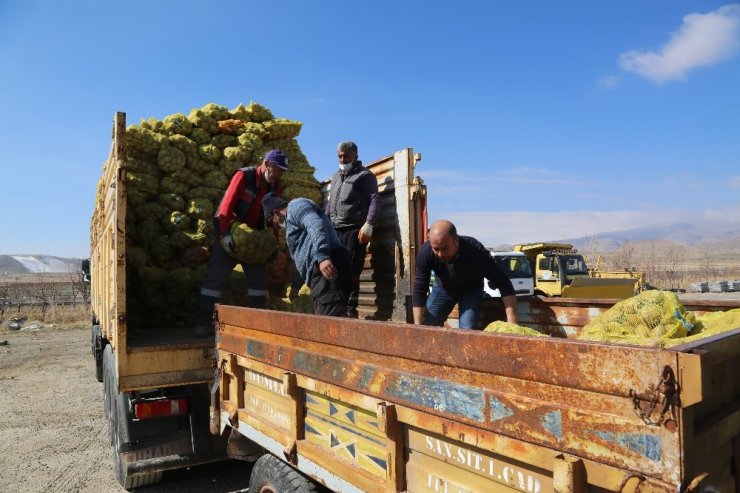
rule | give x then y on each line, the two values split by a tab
302	303
177	124
501	327
708	325
252	246
648	319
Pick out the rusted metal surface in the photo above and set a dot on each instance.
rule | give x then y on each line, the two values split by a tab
618	408
603	368
576	399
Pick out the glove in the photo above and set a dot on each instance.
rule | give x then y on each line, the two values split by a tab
366	233
227	242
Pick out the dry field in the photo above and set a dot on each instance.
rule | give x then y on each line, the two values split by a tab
670	265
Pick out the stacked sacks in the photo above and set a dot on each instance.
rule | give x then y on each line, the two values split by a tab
650	319
177	169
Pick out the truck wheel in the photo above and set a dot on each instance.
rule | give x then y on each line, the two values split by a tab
271	475
117	415
97	352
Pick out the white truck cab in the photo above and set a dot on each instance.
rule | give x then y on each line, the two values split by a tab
516	266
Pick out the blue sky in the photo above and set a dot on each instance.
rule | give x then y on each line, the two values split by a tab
536	120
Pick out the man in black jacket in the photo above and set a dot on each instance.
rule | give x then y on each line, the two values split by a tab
460	263
353	207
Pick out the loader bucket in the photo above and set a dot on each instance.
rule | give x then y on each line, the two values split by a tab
591	287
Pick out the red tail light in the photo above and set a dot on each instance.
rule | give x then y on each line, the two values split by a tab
159	408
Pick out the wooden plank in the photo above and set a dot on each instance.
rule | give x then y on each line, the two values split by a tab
362	479
346	442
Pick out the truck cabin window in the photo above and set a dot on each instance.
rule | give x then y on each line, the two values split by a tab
514	267
574	264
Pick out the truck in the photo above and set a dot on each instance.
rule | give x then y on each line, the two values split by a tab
516	267
379	404
559	270
156	379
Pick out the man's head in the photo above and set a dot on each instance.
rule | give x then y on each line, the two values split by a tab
444	240
275	163
347	154
274	209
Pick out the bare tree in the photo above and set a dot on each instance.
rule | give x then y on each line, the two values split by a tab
5	299
623	258
79	288
674	257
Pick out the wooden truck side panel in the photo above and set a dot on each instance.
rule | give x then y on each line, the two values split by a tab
504	399
162	357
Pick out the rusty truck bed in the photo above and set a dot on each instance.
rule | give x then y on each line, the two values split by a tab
379	406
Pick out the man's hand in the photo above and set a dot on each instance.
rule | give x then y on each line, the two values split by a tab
510	308
365	234
328	270
227	242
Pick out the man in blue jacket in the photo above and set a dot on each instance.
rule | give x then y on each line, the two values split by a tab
460	263
321	259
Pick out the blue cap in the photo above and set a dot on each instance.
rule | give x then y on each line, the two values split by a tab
270	202
276	156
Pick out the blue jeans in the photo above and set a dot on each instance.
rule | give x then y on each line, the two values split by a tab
440	304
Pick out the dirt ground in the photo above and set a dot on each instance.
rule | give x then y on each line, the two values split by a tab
52	430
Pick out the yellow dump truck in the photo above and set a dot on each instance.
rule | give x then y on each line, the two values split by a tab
559	270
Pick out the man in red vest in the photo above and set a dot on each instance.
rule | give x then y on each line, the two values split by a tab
241	202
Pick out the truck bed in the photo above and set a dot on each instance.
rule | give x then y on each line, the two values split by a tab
164	337
382	406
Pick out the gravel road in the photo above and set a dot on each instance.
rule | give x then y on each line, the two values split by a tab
53	434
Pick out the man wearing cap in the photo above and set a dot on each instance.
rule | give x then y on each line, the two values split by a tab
353	205
241	202
321	259
460	263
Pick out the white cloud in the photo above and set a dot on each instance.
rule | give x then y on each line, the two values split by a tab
702	40
539	176
610	81
735	181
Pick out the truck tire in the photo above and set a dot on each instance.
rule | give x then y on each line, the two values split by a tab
272	475
115	406
97	352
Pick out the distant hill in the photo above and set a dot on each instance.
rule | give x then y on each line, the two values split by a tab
705	236
37	264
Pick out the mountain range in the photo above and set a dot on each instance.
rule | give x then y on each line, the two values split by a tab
706	236
712	236
37	264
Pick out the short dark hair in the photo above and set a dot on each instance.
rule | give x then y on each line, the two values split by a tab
347	144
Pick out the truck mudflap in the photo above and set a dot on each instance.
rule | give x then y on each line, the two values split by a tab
164	457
